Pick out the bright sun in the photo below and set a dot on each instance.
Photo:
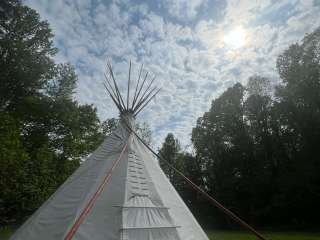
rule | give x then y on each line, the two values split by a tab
236	38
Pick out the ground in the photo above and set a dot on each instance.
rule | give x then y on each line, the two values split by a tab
236	235
225	235
5	232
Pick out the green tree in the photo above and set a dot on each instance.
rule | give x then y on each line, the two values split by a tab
225	149
265	131
13	161
298	106
259	86
259	150
170	152
63	83
142	129
109	125
26	49
46	133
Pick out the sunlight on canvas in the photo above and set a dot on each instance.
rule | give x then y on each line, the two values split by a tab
236	38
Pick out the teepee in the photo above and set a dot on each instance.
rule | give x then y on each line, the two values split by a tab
119	192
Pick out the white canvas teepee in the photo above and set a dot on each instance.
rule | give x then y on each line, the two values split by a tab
118	193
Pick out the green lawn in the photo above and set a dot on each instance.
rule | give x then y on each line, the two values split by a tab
6	232
224	235
235	235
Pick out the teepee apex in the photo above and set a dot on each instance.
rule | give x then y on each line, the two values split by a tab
144	92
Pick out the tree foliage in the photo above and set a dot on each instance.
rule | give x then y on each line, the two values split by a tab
143	129
26	48
45	133
170	152
256	151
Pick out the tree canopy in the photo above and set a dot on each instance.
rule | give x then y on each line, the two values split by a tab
256	149
45	133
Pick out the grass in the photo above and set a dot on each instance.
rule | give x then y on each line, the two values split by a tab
6	232
236	235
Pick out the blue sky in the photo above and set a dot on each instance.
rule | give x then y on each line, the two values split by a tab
182	42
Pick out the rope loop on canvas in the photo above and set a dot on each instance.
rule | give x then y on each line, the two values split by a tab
200	190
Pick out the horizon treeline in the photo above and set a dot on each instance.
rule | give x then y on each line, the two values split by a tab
257	148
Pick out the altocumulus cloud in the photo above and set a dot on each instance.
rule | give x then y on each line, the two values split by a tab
181	42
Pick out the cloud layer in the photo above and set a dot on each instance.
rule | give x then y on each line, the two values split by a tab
181	42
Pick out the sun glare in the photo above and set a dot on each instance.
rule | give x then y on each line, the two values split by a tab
236	38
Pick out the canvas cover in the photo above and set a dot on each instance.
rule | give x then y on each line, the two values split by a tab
138	203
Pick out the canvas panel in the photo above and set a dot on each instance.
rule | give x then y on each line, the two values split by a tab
104	220
189	228
57	215
144	215
150	234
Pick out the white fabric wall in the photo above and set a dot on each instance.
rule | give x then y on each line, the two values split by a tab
138	203
181	215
